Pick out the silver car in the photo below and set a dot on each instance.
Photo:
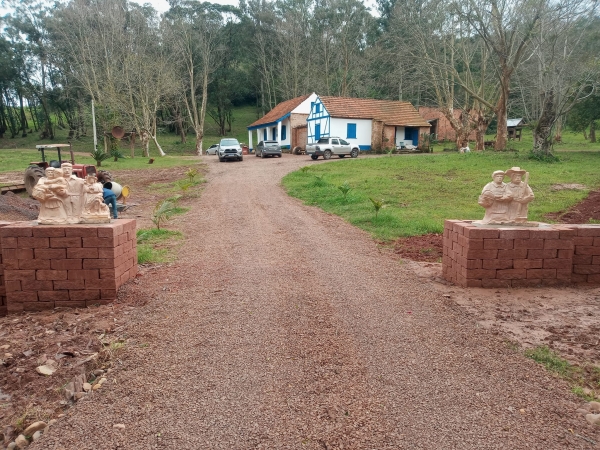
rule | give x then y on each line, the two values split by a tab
268	148
229	148
212	150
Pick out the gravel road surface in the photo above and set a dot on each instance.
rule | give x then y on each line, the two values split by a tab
283	327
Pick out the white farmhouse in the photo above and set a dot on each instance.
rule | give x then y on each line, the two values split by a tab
286	123
370	124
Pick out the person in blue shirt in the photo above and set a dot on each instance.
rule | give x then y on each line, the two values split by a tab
110	198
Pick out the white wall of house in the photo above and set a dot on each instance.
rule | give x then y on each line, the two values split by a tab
339	127
400	136
304	107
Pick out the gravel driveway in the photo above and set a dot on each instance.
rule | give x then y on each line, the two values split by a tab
281	326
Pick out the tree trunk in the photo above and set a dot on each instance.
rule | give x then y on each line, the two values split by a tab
33	112
502	117
593	132
23	117
542	134
199	138
145	143
160	150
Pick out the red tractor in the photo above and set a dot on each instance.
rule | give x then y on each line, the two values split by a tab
37	170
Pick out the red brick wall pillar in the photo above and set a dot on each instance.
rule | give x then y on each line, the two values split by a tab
492	256
3	310
47	266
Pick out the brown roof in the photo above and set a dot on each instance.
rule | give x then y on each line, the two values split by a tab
279	111
388	111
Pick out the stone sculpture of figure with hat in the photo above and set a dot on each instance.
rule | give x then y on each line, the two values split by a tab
520	194
506	203
74	201
495	200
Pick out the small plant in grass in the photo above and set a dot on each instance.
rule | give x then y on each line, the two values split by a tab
377	205
550	360
156	246
344	189
163	212
579	392
185	186
304	169
390	151
192	173
99	156
319	181
116	154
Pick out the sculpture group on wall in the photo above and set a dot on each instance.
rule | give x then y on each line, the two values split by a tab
506	203
64	198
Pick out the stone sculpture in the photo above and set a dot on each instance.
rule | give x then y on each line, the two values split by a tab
51	191
74	193
65	198
94	208
506	203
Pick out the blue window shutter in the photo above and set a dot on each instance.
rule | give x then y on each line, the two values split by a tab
317	132
351	131
283	133
265	134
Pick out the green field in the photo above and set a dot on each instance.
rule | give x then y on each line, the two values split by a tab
421	191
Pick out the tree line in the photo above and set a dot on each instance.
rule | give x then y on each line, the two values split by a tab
537	59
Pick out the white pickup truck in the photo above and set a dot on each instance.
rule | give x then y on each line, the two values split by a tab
328	146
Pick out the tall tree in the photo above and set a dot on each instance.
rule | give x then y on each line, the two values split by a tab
194	33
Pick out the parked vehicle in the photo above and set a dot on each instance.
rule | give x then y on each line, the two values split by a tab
328	146
229	148
212	150
268	148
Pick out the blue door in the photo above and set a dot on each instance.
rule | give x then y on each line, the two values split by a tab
317	131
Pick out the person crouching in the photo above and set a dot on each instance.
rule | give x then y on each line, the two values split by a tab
110	198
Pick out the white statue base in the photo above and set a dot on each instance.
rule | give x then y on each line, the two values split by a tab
95	219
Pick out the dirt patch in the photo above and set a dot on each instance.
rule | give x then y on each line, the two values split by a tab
567	186
73	340
14	208
420	248
585	211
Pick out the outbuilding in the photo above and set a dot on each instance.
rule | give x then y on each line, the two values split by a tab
368	123
514	127
440	125
286	123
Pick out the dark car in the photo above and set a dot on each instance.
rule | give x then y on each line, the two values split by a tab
268	148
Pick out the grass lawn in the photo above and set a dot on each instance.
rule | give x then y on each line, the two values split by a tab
420	191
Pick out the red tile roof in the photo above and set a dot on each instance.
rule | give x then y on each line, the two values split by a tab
280	110
388	111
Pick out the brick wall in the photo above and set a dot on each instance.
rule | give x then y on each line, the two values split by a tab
586	260
47	266
479	256
2	284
